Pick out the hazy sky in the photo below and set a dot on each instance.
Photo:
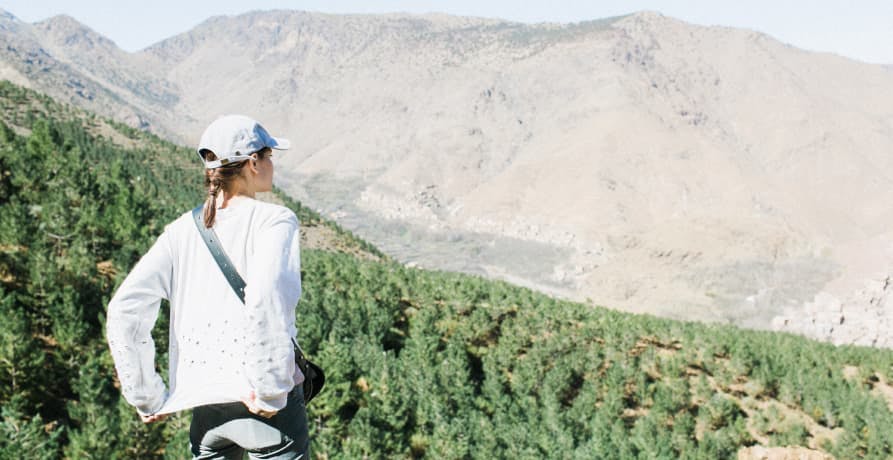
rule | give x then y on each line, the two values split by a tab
860	29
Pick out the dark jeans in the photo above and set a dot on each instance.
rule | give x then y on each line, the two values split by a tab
227	431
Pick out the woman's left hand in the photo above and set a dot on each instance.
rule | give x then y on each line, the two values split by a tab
152	418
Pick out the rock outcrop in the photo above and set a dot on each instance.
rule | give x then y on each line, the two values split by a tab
863	318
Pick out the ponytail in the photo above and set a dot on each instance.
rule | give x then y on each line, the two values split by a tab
214	182
218	179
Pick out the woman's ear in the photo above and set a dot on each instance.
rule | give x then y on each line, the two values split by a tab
252	165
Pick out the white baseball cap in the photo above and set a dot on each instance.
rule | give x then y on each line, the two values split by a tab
233	138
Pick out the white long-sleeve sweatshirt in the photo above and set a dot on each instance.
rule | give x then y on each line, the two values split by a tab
220	349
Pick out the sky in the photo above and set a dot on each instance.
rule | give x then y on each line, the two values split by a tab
858	29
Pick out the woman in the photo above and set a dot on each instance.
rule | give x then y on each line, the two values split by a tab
232	363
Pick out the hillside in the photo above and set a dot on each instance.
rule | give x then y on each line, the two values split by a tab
420	364
640	162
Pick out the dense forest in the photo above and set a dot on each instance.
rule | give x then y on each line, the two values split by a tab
420	364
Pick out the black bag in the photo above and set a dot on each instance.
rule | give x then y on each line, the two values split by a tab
314	378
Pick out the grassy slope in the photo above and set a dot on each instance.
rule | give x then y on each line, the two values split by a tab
420	363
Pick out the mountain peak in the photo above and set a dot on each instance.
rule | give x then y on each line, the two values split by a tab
64	22
9	21
653	19
64	29
649	14
7	16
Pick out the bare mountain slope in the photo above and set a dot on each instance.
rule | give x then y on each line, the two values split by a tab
641	162
72	63
96	56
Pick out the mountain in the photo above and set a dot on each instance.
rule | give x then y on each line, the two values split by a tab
639	162
73	63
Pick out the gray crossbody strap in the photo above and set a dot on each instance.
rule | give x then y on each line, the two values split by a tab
226	266
213	243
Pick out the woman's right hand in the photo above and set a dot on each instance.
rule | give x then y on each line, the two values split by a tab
251	403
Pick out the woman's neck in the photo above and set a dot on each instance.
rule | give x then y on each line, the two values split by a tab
226	199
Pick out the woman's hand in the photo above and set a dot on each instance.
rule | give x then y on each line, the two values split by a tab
152	418
251	403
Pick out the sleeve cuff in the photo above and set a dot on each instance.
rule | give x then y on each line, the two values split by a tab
272	404
154	408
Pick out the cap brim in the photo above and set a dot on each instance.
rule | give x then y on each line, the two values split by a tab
280	143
